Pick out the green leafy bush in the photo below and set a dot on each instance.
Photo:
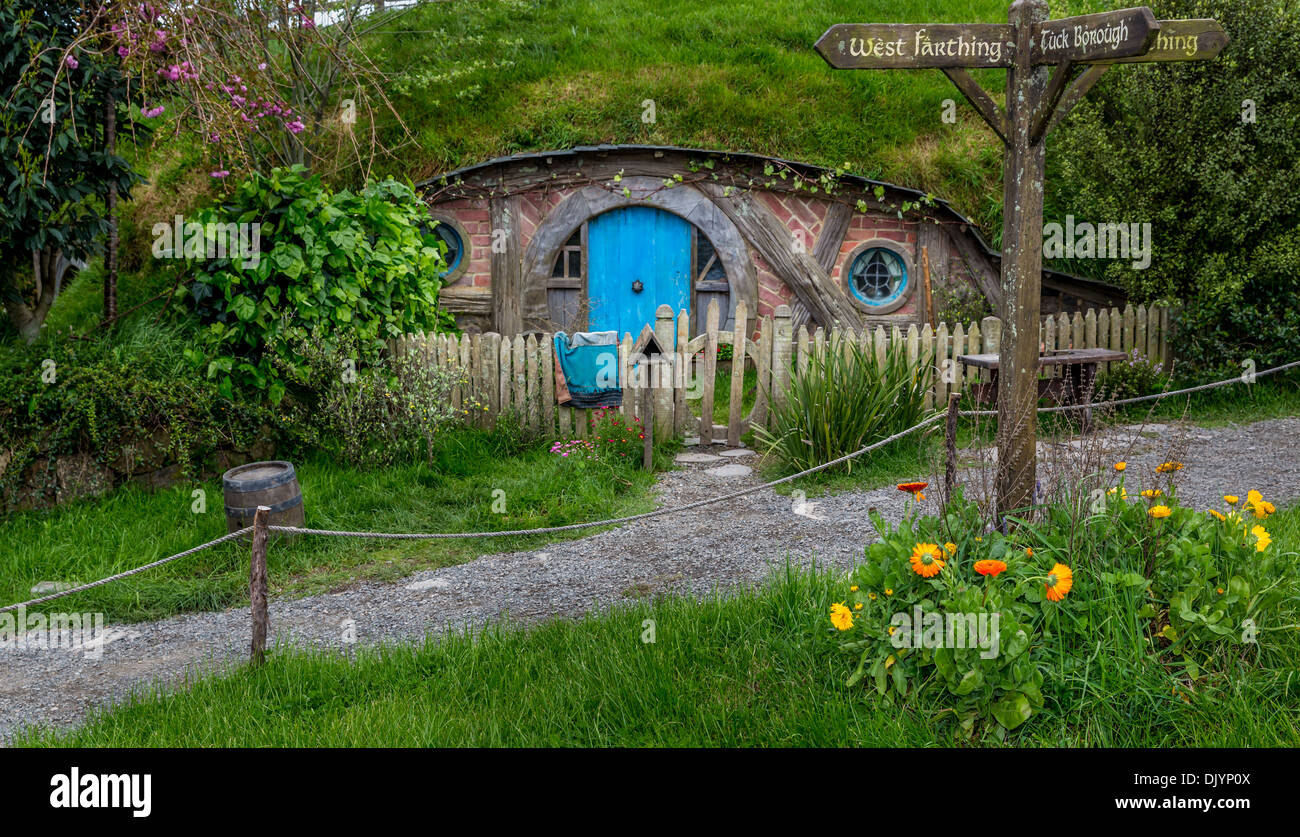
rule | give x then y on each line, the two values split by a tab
386	412
1174	593
847	398
329	262
1132	377
1205	152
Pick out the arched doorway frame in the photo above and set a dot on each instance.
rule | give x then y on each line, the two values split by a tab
683	200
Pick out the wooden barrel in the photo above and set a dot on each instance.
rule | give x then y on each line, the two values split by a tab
273	484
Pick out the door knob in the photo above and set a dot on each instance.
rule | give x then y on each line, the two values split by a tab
637	287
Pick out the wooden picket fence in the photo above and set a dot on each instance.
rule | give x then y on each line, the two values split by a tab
515	375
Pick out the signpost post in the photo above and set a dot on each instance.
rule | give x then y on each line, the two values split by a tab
1042	59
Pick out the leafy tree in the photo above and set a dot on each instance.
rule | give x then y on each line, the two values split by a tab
53	149
1175	145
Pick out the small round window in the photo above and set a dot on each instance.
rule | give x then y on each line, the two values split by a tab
878	278
448	235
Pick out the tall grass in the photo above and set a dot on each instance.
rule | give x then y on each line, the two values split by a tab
847	398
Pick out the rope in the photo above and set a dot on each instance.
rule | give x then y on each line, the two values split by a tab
128	573
616	521
619	521
1139	399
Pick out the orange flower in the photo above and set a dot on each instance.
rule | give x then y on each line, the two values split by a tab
1059	582
990	566
927	560
914	488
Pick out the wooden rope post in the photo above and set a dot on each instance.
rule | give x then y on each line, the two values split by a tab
950	447
257	584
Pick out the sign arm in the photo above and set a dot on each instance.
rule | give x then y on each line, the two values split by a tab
1061	75
983	102
1075	94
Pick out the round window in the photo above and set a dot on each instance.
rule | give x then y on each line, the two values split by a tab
449	236
878	277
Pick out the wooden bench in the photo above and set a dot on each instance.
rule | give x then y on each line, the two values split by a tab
1073	386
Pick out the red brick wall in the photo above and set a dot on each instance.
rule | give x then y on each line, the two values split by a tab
474	218
804	215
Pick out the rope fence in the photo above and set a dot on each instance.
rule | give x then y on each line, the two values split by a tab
260	521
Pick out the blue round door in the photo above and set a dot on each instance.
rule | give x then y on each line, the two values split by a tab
639	258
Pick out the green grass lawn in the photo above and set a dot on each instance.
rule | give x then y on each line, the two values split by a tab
90	539
758	668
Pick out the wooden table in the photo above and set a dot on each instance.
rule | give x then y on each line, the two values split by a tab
1074	386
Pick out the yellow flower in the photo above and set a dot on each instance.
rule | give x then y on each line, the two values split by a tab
841	616
1159	511
858	606
978	539
1217	514
871	596
889	591
1059	582
1262	538
1152	492
1167	467
927	560
1120	466
950	548
892	628
1256	503
1029	550
1230	499
853	589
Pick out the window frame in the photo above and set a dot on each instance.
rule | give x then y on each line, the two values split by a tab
455	274
909	285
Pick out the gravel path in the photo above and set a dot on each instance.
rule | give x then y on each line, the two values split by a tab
691	553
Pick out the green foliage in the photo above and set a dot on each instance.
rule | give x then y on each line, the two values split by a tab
329	262
846	399
960	303
1164	589
977	646
116	398
1132	377
1171	144
388	412
53	150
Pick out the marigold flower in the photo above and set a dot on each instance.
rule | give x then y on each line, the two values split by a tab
914	488
871	596
927	560
853	589
950	548
858	606
889	591
1256	503
1217	514
990	566
1159	511
841	616
1152	492
1168	467
1059	582
1262	538
1231	499
1120	466
1029	550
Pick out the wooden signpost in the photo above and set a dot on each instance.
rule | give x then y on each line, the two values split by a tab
1051	65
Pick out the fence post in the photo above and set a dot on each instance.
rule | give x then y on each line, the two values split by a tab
950	446
647	421
257	584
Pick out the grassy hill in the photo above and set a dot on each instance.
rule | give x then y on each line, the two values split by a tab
475	79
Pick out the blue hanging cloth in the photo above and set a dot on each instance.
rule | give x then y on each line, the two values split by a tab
589	362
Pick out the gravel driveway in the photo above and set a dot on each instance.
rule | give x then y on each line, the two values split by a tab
692	553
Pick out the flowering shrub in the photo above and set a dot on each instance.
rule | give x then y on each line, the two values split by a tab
991	625
610	437
959	621
1132	377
